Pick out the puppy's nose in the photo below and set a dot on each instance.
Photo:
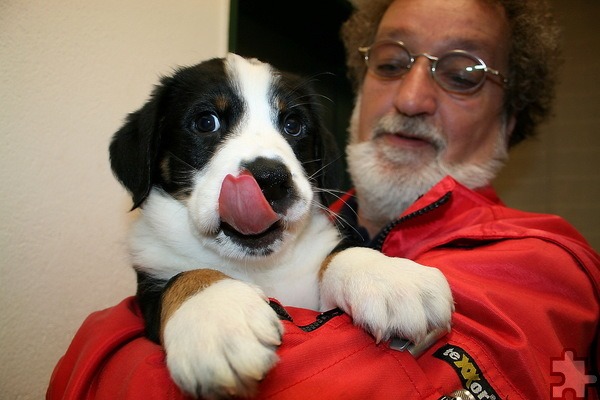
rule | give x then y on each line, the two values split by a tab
274	179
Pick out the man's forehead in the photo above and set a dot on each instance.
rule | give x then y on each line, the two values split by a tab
436	26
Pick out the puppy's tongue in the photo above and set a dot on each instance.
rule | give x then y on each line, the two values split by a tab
243	206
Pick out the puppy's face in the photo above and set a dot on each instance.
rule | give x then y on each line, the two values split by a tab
240	144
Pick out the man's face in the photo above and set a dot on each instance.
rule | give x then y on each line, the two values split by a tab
409	131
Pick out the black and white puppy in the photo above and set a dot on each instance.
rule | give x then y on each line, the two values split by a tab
226	161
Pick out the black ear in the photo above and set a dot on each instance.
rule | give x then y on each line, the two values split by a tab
134	148
330	165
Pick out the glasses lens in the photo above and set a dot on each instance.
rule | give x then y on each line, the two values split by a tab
459	72
388	59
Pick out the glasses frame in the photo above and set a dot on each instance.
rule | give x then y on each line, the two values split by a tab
365	51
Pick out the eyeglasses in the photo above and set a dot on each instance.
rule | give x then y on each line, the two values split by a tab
456	71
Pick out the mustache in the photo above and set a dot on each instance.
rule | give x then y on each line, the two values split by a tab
411	127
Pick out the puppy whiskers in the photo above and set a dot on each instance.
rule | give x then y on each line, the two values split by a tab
339	220
317	172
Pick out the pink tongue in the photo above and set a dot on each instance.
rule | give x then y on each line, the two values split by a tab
243	206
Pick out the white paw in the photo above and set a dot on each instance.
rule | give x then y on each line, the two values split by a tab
389	297
222	341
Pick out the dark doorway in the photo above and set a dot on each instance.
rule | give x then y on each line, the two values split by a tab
300	36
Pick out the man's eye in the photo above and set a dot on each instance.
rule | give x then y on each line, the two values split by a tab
390	68
207	122
460	79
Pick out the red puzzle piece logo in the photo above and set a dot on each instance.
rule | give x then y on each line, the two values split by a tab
574	376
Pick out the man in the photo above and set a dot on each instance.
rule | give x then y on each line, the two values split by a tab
444	88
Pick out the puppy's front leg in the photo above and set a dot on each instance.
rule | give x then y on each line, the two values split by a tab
387	296
220	334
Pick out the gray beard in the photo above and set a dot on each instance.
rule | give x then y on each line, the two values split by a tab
387	182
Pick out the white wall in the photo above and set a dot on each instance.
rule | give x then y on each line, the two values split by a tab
69	72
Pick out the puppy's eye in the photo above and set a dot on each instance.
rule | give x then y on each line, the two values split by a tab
207	122
292	125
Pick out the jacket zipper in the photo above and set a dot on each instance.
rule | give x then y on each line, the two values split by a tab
377	243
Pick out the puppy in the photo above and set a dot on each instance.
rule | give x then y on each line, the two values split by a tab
227	161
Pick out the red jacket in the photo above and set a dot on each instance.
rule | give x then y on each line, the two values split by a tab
527	293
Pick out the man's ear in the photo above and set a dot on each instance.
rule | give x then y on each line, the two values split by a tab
134	148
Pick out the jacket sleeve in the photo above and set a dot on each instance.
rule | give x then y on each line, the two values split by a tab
109	358
526	318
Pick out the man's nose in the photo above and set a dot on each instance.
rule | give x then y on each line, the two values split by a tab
416	91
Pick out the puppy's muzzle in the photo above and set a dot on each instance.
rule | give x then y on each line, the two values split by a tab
275	181
255	205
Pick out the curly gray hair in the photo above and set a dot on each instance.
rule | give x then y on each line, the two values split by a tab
534	56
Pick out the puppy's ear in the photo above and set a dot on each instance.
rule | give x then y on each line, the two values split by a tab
134	148
330	165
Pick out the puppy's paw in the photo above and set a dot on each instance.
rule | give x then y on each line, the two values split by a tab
221	342
387	296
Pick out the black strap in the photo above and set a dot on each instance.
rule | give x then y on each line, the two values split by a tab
320	321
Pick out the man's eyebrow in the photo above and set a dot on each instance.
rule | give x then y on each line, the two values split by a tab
394	34
448	43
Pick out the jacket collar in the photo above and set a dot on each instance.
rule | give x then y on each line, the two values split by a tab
431	220
485	195
449	212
